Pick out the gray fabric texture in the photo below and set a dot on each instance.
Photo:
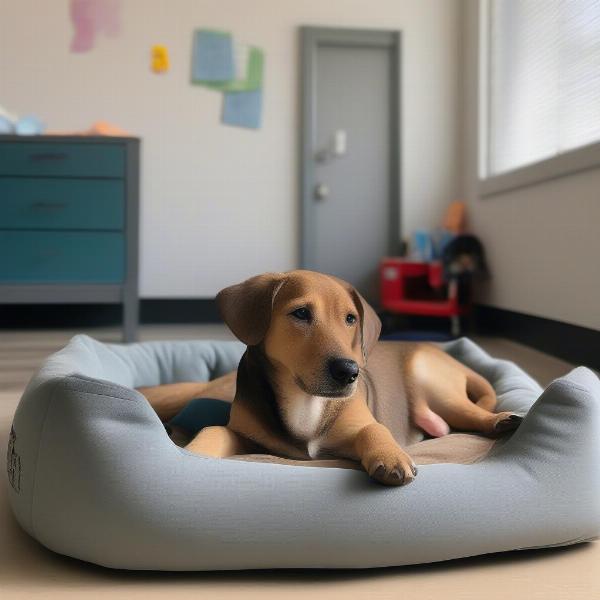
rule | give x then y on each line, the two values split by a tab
100	480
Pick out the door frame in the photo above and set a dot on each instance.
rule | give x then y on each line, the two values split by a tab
311	38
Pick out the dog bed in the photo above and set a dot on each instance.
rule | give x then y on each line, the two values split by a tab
94	475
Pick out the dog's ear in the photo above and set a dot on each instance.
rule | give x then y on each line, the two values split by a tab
369	322
246	307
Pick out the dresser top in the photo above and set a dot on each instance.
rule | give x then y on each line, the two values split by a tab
79	139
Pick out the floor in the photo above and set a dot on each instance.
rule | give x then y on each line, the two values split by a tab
27	570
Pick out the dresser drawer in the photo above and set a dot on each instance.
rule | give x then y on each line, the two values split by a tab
47	203
58	159
61	256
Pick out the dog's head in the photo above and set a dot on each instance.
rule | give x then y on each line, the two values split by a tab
316	330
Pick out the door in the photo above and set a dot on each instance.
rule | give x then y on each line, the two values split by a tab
350	164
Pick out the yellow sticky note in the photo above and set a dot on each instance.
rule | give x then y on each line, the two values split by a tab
160	59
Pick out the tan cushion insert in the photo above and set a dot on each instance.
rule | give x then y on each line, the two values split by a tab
458	448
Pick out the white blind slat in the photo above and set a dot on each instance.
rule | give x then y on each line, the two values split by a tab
543	80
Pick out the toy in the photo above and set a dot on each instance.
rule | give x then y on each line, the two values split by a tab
436	280
7	121
29	125
12	123
6	126
456	218
464	258
160	59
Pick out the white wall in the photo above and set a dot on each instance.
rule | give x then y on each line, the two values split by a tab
543	240
220	203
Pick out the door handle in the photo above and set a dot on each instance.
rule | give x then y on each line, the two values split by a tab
321	191
335	148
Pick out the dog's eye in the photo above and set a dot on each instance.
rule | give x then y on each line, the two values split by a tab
350	319
302	314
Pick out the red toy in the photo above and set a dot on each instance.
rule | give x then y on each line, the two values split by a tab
418	288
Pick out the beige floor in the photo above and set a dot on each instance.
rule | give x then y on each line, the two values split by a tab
27	570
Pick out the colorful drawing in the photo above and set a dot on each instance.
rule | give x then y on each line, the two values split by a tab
90	17
221	64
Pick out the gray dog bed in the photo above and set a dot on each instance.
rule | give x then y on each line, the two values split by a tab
94	475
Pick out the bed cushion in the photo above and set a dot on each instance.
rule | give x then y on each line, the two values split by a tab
94	475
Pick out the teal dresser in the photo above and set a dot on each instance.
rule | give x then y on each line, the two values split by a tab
69	222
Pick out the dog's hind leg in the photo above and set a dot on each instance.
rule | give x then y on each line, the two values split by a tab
458	395
220	442
169	399
464	410
463	414
480	391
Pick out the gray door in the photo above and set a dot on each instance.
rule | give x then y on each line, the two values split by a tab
351	182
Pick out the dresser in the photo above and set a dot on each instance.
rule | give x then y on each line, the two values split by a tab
69	222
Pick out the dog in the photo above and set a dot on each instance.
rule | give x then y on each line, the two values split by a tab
464	258
303	389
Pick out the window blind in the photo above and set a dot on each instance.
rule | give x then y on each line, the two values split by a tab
543	80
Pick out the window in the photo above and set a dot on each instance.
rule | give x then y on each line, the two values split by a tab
541	89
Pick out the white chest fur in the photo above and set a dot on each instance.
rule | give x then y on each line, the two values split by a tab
304	414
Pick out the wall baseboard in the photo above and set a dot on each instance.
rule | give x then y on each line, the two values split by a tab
179	310
69	316
575	344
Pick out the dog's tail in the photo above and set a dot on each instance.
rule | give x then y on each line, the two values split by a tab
480	391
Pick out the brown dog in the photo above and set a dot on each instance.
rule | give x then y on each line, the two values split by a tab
304	391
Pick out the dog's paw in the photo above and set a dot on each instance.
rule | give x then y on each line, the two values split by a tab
391	469
506	421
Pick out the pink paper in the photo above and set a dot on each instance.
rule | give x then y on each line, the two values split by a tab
90	17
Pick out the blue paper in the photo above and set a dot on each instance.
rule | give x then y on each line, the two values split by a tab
212	58
242	109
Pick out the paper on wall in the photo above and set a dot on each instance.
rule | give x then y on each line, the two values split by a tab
233	68
212	57
249	62
242	109
90	17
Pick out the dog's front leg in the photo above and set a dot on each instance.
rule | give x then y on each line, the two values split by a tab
356	434
381	456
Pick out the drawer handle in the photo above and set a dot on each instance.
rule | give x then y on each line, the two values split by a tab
49	205
39	156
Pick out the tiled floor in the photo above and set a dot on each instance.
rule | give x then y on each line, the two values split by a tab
27	570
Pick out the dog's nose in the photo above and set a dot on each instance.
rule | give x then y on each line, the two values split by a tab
343	370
